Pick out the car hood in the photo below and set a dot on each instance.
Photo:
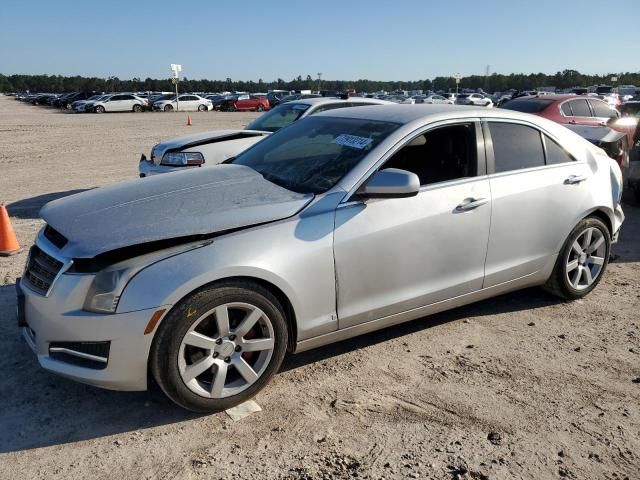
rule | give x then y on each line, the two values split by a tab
200	201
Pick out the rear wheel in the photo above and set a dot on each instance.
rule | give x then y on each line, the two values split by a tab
137	108
168	108
582	260
219	346
99	109
260	107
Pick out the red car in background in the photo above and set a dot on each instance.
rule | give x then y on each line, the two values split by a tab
245	102
580	110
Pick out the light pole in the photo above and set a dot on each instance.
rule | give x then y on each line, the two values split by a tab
319	78
176	69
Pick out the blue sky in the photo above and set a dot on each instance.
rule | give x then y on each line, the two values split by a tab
379	40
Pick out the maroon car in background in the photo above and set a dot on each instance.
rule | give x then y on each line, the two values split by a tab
245	102
575	111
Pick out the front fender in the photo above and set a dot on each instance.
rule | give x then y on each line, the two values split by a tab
295	255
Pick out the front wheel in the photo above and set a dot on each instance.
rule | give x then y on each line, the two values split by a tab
582	260
260	108
168	108
219	346
99	109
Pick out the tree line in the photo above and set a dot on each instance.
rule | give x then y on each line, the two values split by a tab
489	83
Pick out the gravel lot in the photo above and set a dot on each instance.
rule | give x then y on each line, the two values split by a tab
520	386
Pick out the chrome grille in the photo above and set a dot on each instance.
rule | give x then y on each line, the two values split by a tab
41	270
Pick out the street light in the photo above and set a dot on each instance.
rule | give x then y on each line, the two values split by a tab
176	69
319	79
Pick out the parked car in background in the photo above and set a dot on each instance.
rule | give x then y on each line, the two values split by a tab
450	96
119	102
211	148
245	102
633	172
186	102
299	96
323	231
80	105
578	112
475	99
435	99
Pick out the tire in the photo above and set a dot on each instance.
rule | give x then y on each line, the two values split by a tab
99	109
260	108
168	108
67	106
571	264
137	108
172	356
202	108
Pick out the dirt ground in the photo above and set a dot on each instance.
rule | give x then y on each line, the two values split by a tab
523	386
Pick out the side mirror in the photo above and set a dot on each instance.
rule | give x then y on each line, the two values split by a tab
391	183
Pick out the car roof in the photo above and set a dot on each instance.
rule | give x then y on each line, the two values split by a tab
556	97
404	114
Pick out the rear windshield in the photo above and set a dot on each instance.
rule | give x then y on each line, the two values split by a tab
278	117
527	106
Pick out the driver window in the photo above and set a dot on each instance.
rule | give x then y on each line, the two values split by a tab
439	155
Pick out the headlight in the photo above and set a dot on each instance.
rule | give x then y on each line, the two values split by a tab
107	286
182	159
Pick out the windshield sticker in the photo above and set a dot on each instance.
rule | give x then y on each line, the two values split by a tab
352	141
300	106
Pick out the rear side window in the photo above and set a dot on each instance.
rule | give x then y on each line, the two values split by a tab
555	153
515	146
580	108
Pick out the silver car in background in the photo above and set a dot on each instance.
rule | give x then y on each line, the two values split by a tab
342	223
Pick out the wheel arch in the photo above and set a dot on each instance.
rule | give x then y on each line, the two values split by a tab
601	214
289	311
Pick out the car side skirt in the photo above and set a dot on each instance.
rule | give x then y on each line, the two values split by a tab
530	280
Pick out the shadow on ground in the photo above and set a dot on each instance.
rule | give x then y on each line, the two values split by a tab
29	208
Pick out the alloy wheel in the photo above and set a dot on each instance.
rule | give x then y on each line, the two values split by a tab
586	258
226	350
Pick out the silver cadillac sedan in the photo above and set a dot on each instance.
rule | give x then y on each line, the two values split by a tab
339	224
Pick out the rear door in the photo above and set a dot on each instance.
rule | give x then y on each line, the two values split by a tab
539	192
578	112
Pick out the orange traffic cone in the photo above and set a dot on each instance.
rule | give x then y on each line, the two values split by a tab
8	242
189	121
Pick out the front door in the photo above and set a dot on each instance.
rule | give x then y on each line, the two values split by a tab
394	255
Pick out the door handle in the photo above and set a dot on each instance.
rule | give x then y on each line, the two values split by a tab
471	204
575	179
573	122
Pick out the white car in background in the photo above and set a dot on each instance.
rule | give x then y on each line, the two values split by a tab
186	103
436	99
120	102
475	99
211	148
